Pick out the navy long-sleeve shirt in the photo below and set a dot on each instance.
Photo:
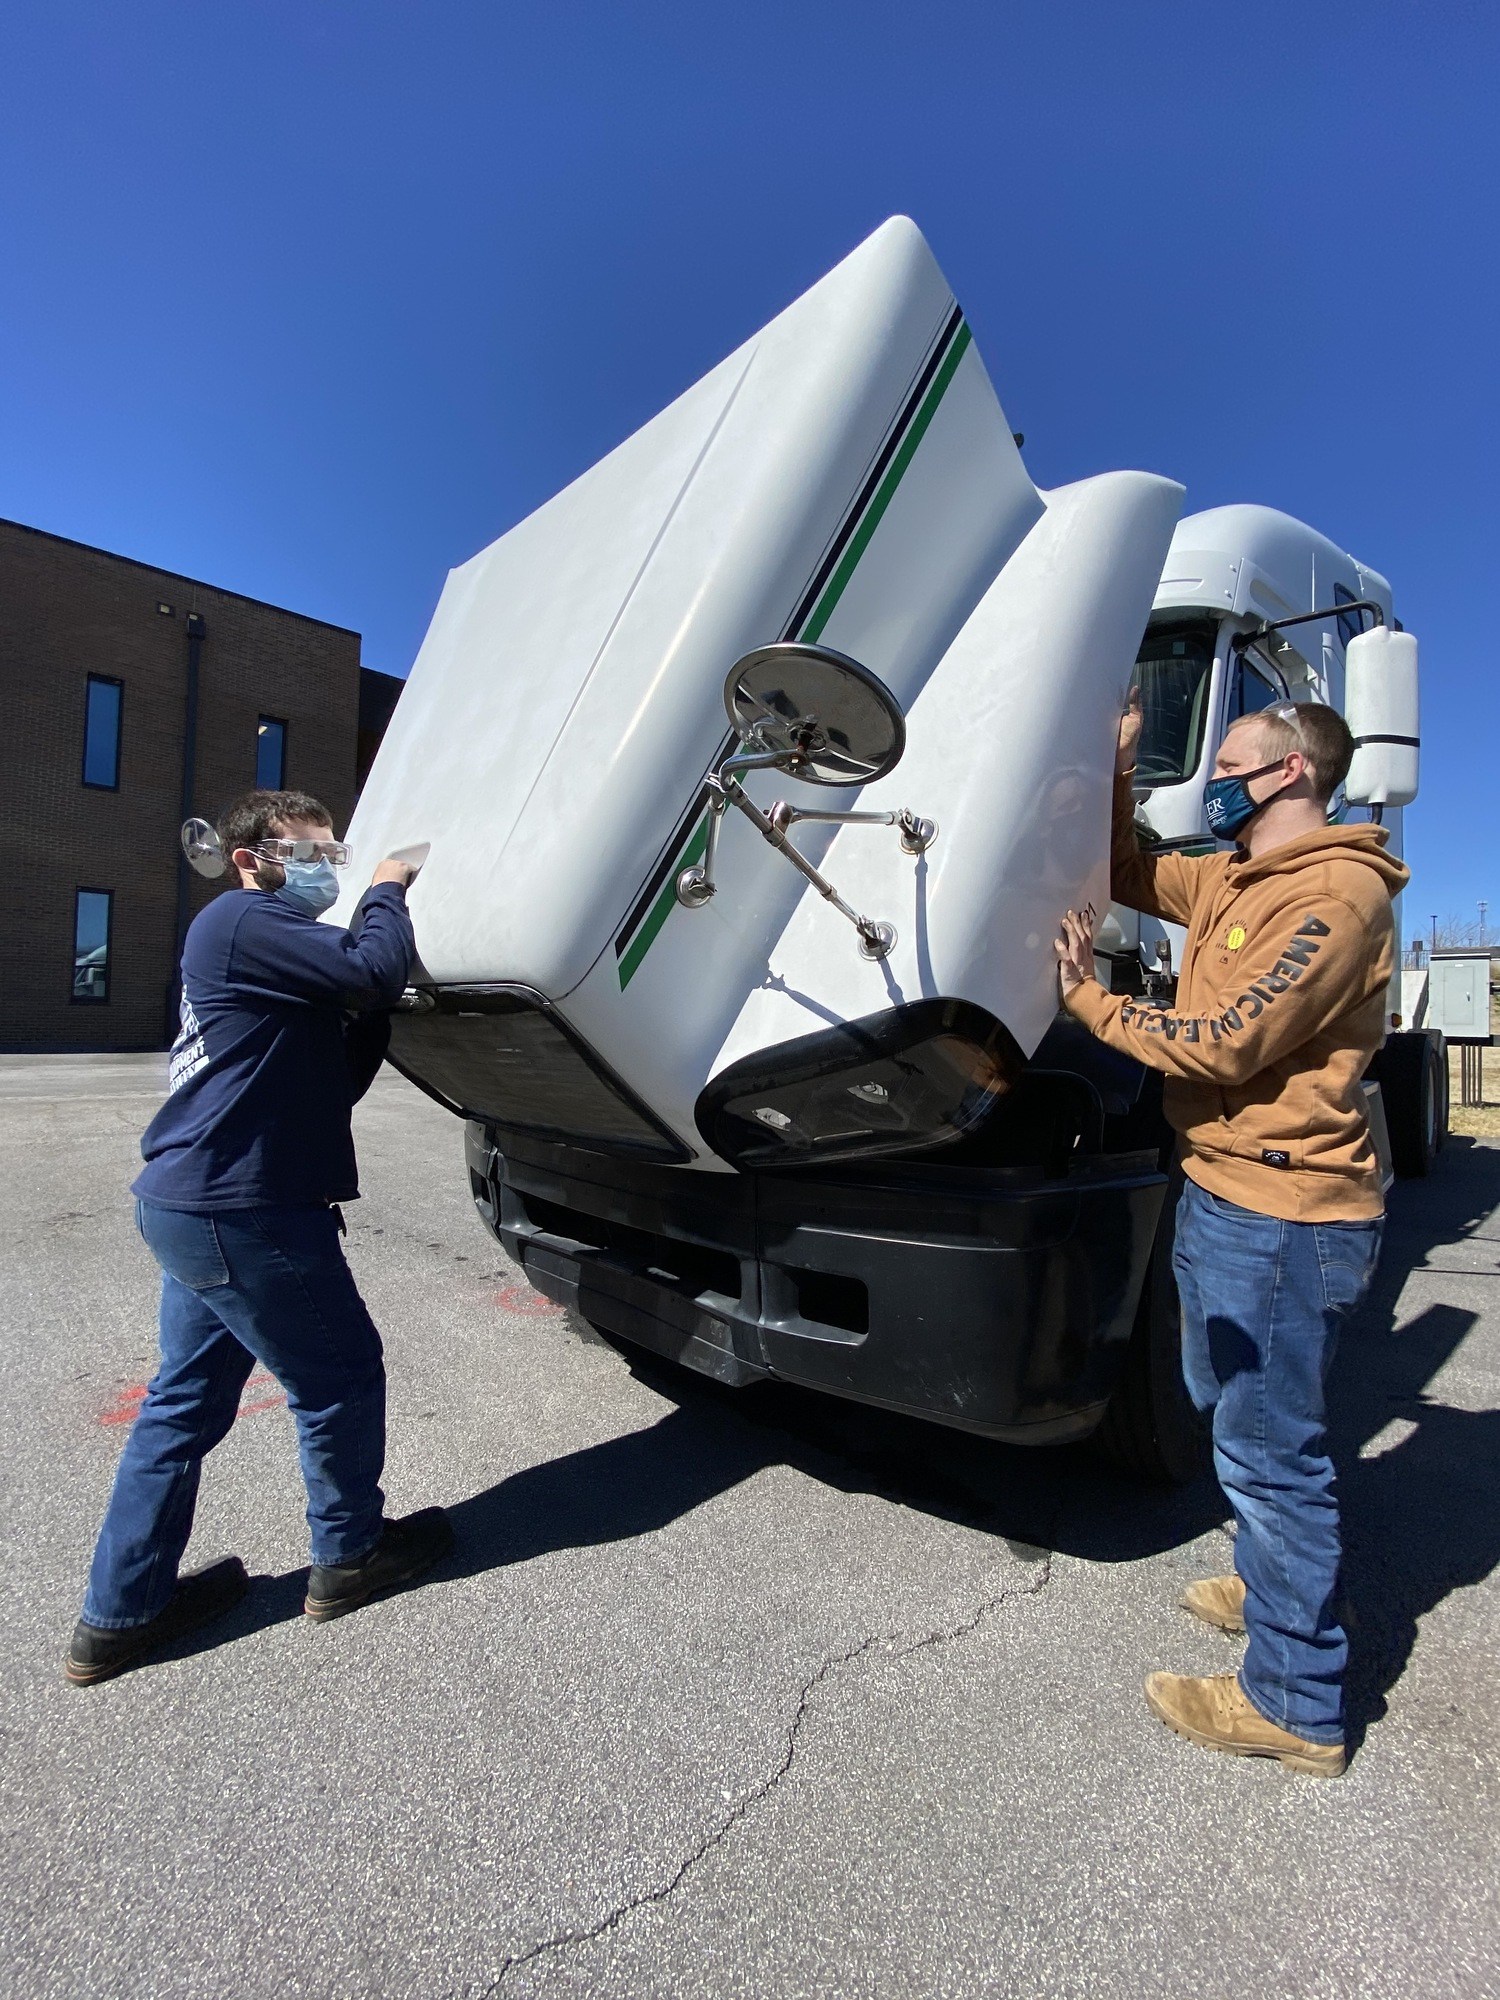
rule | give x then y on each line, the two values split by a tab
267	1066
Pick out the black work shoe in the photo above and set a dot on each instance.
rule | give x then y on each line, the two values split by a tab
97	1654
406	1548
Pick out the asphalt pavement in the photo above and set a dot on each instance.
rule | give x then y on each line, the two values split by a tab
720	1696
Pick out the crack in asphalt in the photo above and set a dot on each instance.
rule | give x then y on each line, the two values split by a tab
943	1635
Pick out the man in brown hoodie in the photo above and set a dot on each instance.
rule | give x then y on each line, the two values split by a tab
1280	1005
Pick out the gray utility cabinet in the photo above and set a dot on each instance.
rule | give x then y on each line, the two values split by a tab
1458	995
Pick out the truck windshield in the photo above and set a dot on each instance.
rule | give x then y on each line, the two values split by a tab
1173	673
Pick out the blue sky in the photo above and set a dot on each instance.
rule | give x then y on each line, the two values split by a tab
315	299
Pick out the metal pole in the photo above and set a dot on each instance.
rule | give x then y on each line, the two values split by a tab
1471	1074
197	632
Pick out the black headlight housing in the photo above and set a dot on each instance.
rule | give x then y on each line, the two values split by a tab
902	1081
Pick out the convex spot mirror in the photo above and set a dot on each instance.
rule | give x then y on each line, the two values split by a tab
824	717
201	845
1381	709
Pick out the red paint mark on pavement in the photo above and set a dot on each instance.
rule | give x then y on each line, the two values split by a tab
522	1299
127	1405
275	1401
123	1409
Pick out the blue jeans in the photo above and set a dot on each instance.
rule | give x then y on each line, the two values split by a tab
247	1285
1263	1302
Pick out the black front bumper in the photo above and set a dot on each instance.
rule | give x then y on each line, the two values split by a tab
997	1300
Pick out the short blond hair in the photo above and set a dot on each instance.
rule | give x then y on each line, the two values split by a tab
1320	734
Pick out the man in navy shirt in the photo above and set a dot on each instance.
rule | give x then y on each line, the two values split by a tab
285	1021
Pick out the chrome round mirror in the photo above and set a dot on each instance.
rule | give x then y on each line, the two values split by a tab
822	716
201	846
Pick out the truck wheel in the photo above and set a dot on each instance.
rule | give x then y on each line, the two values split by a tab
1413	1076
1150	1428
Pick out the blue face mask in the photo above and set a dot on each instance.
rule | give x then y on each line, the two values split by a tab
311	886
1228	805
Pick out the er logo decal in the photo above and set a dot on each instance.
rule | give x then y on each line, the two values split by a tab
1235	938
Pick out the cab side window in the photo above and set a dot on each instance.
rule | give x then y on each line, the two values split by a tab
1250	692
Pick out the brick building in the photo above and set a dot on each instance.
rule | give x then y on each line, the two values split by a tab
98	656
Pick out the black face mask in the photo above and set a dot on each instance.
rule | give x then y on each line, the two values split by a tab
1228	804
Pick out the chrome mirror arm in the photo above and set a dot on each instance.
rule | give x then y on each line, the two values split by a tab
746	760
774	696
917	835
875	939
696	886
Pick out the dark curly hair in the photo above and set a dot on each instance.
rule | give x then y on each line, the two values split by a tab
258	816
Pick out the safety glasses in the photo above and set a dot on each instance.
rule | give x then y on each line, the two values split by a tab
1289	714
339	852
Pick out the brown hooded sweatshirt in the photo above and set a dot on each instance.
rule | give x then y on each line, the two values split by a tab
1281	1001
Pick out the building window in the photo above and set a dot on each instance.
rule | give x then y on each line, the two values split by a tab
270	754
93	912
101	733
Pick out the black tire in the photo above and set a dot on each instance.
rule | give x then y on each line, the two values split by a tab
1413	1078
1150	1428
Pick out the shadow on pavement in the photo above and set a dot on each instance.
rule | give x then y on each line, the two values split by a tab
271	1600
714	1440
1421	1519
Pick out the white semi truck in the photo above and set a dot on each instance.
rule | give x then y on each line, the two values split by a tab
751	776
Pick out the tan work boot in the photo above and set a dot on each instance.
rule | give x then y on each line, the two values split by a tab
1215	1713
1217	1600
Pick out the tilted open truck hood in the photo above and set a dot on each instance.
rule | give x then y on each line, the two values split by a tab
847	476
